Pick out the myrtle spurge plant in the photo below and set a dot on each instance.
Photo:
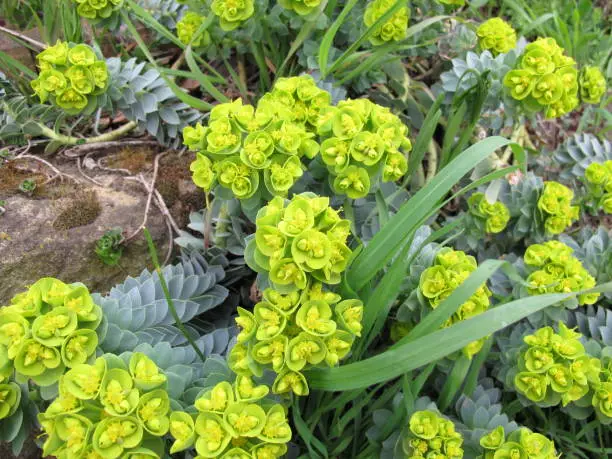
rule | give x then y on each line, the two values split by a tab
253	150
430	435
302	245
187	27
592	85
300	242
545	79
71	77
496	35
97	10
233	421
492	217
47	329
521	443
292	332
553	269
232	13
598	179
364	143
556	206
396	27
554	368
450	269
108	409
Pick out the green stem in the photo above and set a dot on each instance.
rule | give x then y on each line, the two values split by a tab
164	286
69	140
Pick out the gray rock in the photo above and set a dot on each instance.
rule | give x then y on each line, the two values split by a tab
37	238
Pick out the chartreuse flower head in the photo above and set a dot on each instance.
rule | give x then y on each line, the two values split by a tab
598	178
450	269
50	327
71	76
228	425
394	29
496	35
300	242
555	270
493	216
363	142
10	395
554	368
592	84
102	413
290	333
520	444
257	151
430	435
187	27
232	13
556	206
97	10
544	79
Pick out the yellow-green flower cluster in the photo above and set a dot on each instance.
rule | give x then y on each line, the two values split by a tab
496	35
301	7
450	269
232	13
555	202
554	367
107	410
291	332
545	79
70	76
298	324
363	141
248	149
10	396
46	329
430	435
520	444
396	27
599	183
557	271
592	84
97	10
494	216
188	26
301	241
233	422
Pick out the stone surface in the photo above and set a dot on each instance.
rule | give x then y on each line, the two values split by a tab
32	247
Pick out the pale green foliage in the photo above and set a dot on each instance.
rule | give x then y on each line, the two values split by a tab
137	312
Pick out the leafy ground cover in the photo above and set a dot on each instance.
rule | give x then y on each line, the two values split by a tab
388	228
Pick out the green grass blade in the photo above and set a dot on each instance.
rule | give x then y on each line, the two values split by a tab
199	76
151	22
306	435
193	102
305	32
454	381
386	242
471	380
425	135
395	362
380	21
9	63
328	38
